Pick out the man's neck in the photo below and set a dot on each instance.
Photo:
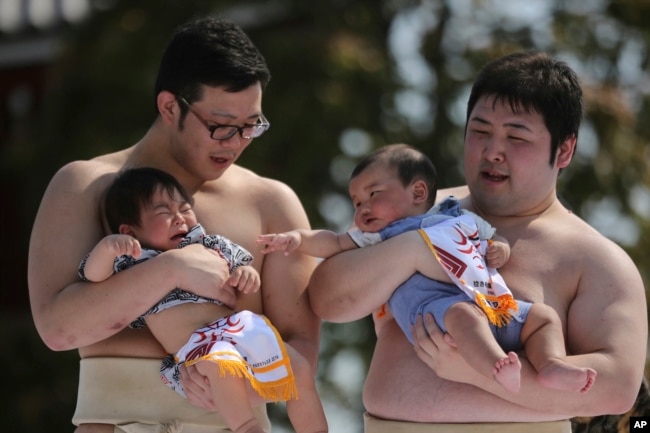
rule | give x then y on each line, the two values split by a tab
153	150
514	219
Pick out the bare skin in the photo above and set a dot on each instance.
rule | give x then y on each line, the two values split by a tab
543	343
71	315
162	226
507	372
556	258
380	198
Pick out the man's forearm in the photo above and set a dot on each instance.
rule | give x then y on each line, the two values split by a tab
85	313
602	398
353	284
345	288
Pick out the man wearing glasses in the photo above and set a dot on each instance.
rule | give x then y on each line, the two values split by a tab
224	132
211	77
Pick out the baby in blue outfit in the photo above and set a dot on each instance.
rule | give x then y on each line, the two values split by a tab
393	191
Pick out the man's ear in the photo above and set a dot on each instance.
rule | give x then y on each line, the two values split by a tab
420	191
167	106
565	152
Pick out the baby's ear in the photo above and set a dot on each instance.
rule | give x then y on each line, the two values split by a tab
420	191
126	229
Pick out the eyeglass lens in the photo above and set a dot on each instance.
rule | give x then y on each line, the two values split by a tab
222	132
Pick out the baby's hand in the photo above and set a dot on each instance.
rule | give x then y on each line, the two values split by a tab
497	254
287	242
122	245
245	279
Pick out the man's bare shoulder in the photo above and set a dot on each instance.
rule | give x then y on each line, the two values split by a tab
269	205
89	175
578	252
570	229
95	167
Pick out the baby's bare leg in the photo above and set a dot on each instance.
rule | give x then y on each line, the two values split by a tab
230	395
469	327
306	412
543	340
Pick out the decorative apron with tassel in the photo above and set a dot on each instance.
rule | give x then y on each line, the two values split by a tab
456	245
246	345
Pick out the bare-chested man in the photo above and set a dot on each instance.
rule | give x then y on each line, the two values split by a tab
523	118
208	94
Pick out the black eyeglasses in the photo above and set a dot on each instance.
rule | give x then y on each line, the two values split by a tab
224	132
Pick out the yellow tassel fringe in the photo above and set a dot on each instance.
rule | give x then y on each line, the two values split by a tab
498	309
279	390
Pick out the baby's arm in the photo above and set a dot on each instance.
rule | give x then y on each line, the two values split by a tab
498	252
99	263
317	243
245	278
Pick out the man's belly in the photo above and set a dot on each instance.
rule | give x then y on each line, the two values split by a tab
401	387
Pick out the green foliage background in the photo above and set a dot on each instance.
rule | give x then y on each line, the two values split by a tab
338	71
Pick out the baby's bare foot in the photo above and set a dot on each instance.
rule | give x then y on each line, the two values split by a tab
566	377
507	372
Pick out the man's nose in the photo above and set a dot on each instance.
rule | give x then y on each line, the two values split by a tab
233	142
494	149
